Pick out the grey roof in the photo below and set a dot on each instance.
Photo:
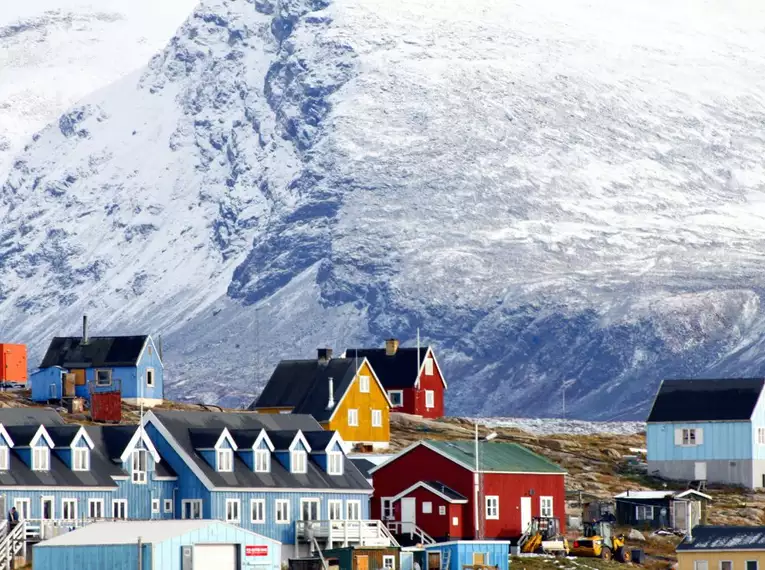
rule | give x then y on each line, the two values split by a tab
397	371
59	475
204	438
22	435
62	436
70	352
30	416
180	424
724	538
363	465
303	385
445	490
702	400
282	439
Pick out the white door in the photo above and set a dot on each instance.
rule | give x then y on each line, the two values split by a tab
525	513
218	556
700	471
408	514
23	507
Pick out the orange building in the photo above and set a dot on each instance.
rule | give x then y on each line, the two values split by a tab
13	362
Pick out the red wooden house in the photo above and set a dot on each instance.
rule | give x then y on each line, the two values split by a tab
434	486
411	376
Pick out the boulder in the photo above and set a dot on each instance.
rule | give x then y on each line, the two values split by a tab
636	535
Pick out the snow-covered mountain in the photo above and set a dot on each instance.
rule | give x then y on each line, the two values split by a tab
53	52
565	193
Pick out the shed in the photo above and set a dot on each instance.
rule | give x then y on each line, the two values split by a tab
365	557
460	554
164	545
658	509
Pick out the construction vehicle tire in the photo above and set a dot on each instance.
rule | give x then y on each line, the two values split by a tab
623	555
606	553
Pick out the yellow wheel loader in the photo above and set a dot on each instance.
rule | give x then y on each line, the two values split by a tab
599	542
543	536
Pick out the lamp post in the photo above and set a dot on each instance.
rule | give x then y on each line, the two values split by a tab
478	482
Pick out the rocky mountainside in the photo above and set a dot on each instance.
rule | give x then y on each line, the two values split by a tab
557	194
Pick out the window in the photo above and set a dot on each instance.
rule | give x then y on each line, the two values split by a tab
297	461
389	562
69	509
168	506
353	510
427	507
396	398
5	458
47	508
335	463
119	509
353	417
442	510
262	461
150	377
155	506
81	459
546	507
492	507
41	459
700	565
430	399
232	510
282	512
309	509
455	521
191	508
689	436
103	377
480	559
95	508
225	460
23	507
726	565
644	512
376	418
364	384
751	565
428	367
138	462
258	511
335	510
760	438
387	509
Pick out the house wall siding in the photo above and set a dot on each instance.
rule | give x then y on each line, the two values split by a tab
113	557
435	524
733	472
686	559
41	384
364	403
35	496
429	382
139	388
461	554
721	441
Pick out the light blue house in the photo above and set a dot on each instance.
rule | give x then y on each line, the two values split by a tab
129	364
708	430
158	545
458	554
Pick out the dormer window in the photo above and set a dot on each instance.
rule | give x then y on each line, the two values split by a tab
5	458
41	459
335	463
139	466
298	461
81	459
225	459
262	461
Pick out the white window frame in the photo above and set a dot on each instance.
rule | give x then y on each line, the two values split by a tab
168	506
335	507
353	417
351	506
155	505
224	460
376	418
137	475
150	374
430	399
262	461
91	504
429	366
726	561
41	460
760	441
386	508
23	508
116	504
260	504
400	394
192	503
546	507
48	499
5	458
644	512
700	565
491	507
282	511
389	562
81	459
318	508
427	507
335	462
755	562
69	507
441	510
298	461
364	384
236	505
100	382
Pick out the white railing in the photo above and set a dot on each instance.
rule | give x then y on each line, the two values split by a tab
402	528
13	544
362	532
43	529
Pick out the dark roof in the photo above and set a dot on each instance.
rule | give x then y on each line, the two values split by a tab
62	436
319	440
22	435
282	439
445	490
69	352
60	475
30	416
179	424
395	372
725	538
204	438
114	439
244	438
363	465
497	456
303	385
731	399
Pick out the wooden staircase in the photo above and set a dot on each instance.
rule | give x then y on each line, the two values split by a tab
13	544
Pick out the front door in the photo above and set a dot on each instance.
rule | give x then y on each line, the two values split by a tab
362	563
434	561
23	507
700	471
681	515
525	513
408	514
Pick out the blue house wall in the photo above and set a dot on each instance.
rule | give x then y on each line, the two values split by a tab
114	557
721	441
460	553
149	359
41	382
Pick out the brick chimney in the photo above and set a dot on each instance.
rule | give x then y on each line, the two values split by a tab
324	355
391	347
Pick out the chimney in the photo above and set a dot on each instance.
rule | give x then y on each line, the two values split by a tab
84	329
331	399
391	347
325	355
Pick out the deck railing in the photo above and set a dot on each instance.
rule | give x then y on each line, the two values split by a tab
404	528
12	544
345	532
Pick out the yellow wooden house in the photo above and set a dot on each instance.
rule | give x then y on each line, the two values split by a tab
723	548
343	394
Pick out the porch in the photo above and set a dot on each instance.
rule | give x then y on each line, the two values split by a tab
334	533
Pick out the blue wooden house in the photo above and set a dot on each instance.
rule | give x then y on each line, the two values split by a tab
708	431
79	366
280	475
459	554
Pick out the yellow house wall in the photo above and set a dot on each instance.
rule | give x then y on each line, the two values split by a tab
686	560
364	403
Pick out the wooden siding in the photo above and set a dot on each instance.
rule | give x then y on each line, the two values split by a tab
41	384
414	398
364	403
114	557
437	525
35	498
686	559
461	554
348	557
139	389
721	441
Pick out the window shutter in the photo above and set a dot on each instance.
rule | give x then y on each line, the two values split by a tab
678	436
699	436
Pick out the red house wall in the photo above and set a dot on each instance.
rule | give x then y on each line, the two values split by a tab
435	524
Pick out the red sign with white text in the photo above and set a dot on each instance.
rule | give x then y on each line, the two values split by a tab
256	550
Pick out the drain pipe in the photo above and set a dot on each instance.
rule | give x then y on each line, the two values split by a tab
140	553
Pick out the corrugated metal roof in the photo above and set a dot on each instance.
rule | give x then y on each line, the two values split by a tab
497	456
699	400
645	494
725	538
69	352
